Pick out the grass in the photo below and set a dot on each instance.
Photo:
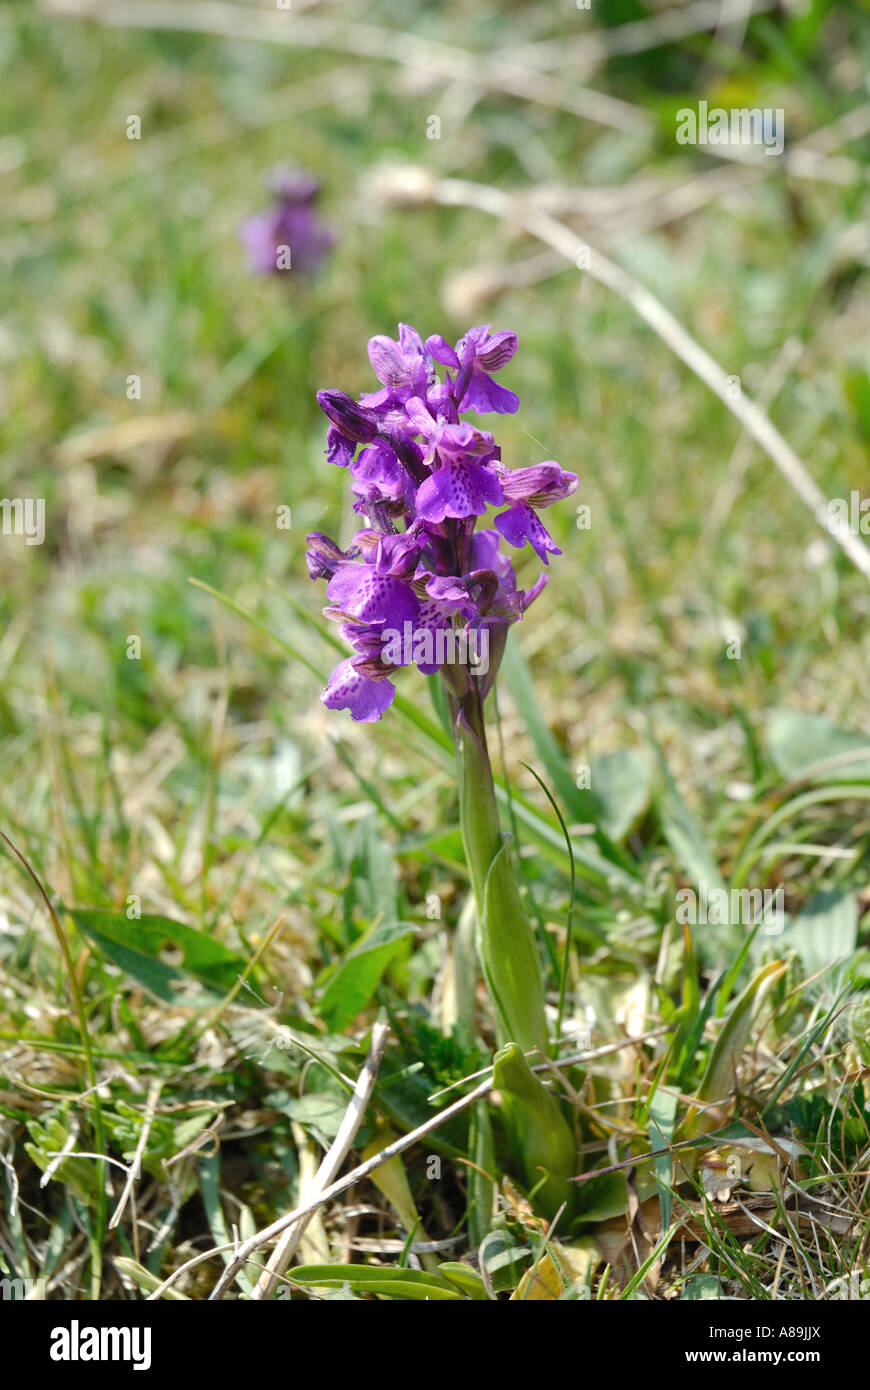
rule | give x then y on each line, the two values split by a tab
203	782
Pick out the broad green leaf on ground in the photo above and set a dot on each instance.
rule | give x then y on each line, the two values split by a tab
359	972
465	1278
322	1106
603	1197
825	931
504	1260
621	784
701	1286
136	946
800	743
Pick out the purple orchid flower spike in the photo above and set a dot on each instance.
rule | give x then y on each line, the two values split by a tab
420	586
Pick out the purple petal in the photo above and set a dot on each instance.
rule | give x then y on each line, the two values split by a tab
497	351
376	400
371	597
447	590
439	399
421	421
520	526
531	594
397	556
484	395
366	699
377	473
339	450
441	350
387	360
411	342
540	486
486	554
463	439
426	643
354	421
323	556
458	488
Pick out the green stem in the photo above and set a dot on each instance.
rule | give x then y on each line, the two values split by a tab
507	944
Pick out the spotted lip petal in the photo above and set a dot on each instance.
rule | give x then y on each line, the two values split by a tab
521	525
349	689
459	488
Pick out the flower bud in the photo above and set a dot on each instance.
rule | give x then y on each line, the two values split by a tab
354	421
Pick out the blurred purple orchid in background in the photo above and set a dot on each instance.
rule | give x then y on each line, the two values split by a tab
289	235
421	479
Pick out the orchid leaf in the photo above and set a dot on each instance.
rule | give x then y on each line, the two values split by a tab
415	1284
137	947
